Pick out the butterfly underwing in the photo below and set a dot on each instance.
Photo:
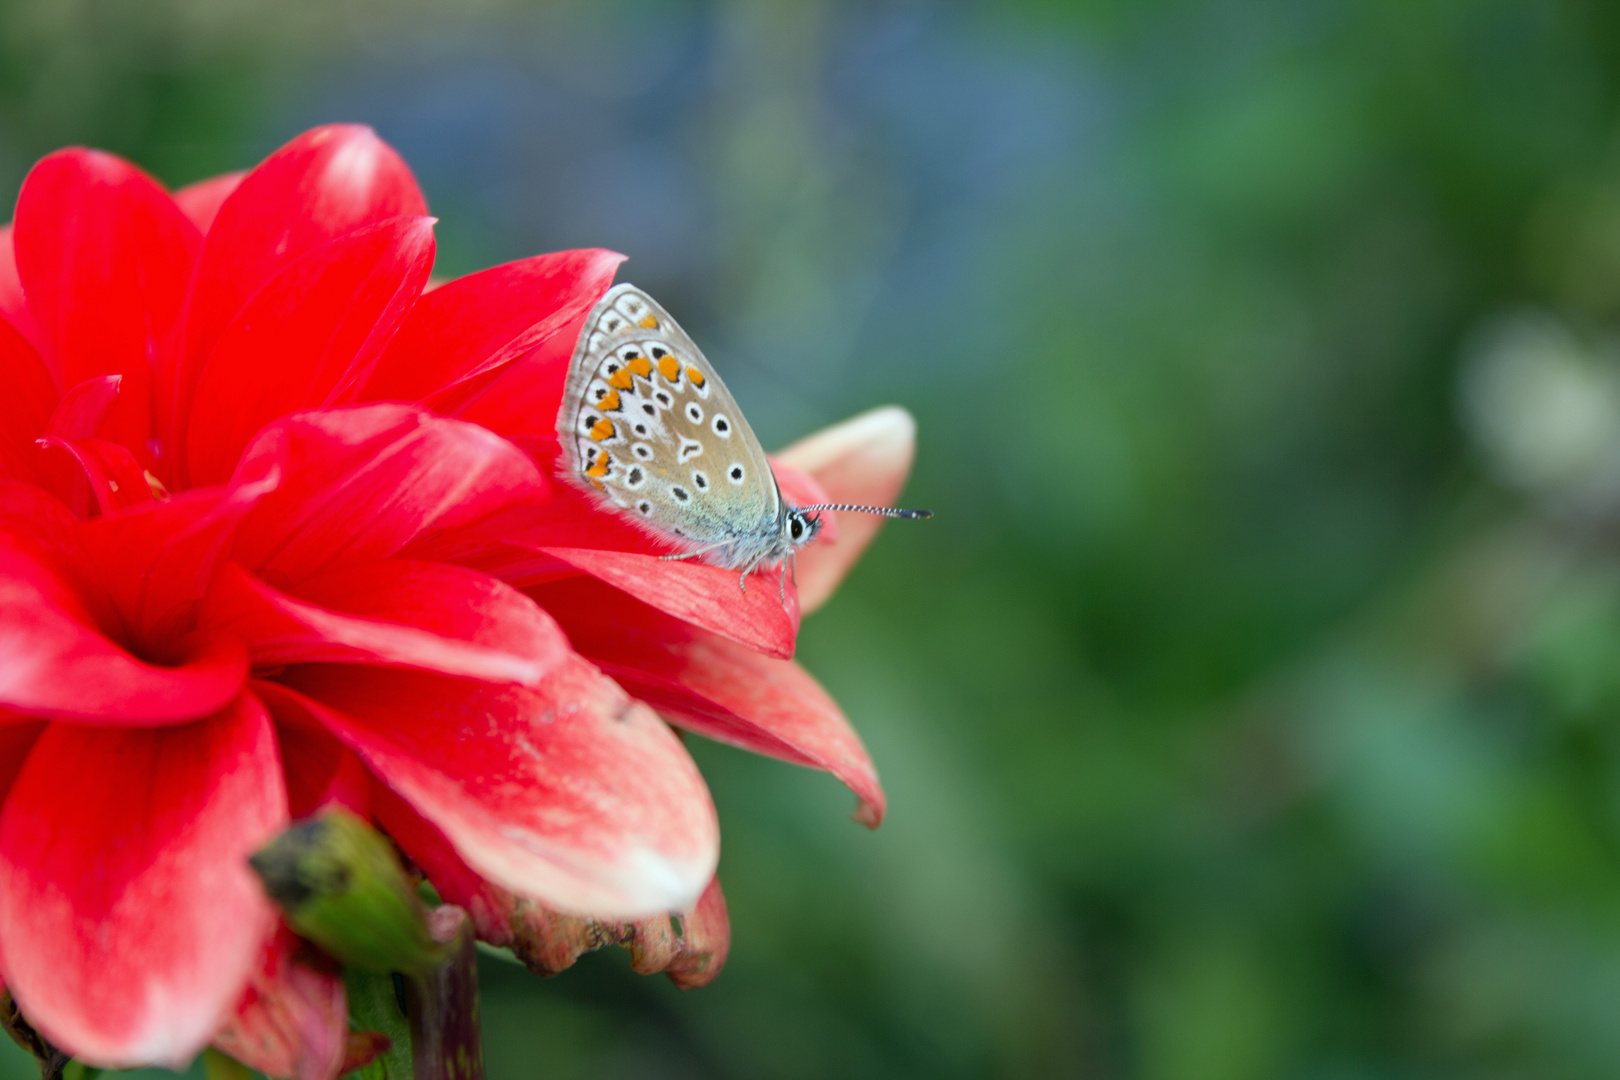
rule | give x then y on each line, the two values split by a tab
649	428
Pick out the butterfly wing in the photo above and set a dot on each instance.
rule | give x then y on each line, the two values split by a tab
647	425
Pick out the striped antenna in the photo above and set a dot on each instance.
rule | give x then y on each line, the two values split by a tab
881	511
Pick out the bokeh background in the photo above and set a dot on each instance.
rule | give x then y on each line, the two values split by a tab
1251	709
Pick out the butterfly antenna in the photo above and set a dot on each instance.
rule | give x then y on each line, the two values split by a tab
881	511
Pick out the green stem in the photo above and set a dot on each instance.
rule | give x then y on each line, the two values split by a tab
216	1066
375	1006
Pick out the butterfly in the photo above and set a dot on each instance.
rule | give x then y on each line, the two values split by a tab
649	429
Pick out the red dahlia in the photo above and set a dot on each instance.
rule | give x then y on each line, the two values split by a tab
278	532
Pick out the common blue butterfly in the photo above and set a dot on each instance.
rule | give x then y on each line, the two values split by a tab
649	428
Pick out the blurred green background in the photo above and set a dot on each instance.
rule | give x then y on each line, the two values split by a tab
1251	708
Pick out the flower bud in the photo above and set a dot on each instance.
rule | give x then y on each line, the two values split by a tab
340	885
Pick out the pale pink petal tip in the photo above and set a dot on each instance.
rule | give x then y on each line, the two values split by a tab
865	460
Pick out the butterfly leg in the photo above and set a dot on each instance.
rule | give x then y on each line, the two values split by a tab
691	554
742	579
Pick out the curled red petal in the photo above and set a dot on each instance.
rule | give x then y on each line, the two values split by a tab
83	409
864	460
13	304
398	613
568	792
30	395
155	561
479	323
125	855
55	663
705	596
201	201
713	686
94	234
689	945
327	182
292	1021
308	339
363	482
92	476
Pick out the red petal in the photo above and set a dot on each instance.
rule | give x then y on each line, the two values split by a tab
29	510
702	595
713	686
325	183
689	945
408	614
570	793
125	857
54	663
17	738
363	482
523	397
30	394
83	409
320	771
864	460
91	476
13	305
105	259
292	1021
307	340
201	201
478	323
156	561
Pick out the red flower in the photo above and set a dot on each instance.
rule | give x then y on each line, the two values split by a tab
276	532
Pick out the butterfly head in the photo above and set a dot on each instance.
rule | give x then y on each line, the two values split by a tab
800	528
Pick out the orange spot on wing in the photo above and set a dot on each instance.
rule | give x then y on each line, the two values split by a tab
669	368
621	379
597	484
609	401
640	366
602	429
648	323
603	464
695	375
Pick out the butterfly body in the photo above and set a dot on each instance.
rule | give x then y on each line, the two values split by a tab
649	429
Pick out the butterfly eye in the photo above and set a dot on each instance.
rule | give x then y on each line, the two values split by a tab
798	528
